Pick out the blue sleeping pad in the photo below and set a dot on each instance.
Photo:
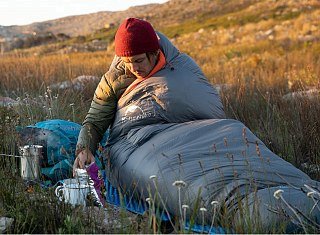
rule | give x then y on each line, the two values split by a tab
139	207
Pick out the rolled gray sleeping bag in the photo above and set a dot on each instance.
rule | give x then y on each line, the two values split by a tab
172	126
217	164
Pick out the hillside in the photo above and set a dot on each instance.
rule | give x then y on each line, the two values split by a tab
222	22
172	13
73	25
161	14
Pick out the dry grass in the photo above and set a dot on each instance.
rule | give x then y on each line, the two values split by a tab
28	73
259	73
258	69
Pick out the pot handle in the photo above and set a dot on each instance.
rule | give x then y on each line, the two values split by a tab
57	192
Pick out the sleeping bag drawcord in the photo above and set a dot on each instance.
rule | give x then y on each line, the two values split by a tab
170	66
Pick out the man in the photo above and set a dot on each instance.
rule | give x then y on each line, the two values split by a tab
137	45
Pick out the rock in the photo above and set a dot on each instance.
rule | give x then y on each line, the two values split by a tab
311	168
78	84
278	28
8	102
201	30
308	94
5	224
61	85
111	218
268	32
307	38
223	87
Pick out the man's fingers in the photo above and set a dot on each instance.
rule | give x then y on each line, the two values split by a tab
81	160
75	165
81	164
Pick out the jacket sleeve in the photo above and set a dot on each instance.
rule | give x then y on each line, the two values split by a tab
99	116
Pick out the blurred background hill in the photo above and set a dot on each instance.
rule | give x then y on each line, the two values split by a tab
207	21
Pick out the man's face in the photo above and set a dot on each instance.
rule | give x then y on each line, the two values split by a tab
140	65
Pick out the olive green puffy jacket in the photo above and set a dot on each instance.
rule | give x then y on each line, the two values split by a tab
103	105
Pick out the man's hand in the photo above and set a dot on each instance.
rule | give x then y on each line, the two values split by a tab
85	157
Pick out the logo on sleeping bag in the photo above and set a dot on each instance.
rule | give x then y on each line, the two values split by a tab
134	113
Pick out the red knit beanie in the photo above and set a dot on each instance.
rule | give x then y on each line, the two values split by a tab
134	37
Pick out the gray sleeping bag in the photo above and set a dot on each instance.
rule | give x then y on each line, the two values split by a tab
172	126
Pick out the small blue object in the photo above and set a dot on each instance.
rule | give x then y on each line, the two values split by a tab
113	197
61	140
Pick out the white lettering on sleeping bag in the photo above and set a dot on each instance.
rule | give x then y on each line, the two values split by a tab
134	113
